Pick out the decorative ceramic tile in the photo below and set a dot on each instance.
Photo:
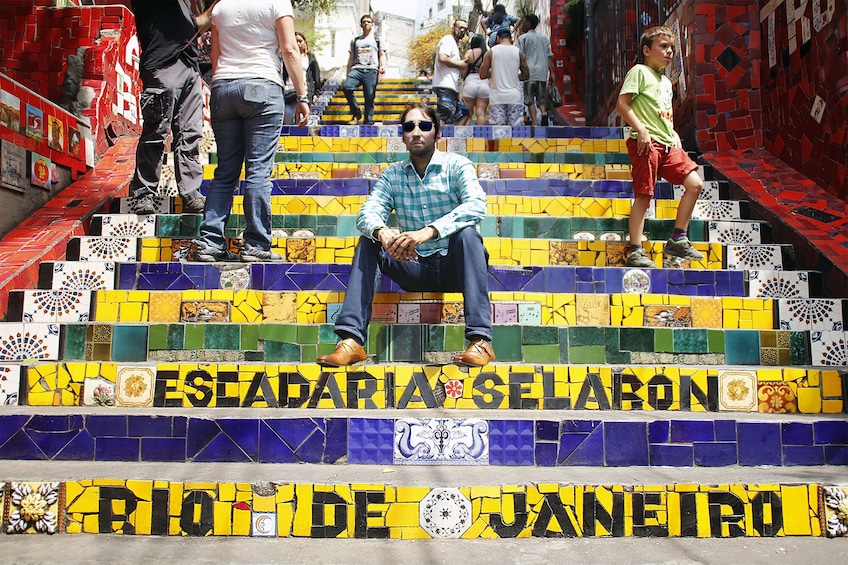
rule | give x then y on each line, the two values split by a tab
457	145
737	391
716	210
668	316
84	276
19	342
454	388
349	131
35	508
409	313
118	249
235	277
304	175
368	171
388	131
530	314
488	171
829	348
128	225
811	314
182	249
439	441
501	132
10	382
735	233
167	180
161	200
593	309
56	306
564	253
835	515
263	524
204	311
134	386
616	251
709	192
776	398
98	392
636	281
445	513
778	284
463	131
759	257
300	250
452	313
395	145
580	236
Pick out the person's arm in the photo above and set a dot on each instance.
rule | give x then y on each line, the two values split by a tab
472	207
291	58
449	62
214	49
625	110
204	20
551	66
381	58
486	65
523	69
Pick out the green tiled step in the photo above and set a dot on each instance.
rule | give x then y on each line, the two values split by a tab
426	343
611	229
232	383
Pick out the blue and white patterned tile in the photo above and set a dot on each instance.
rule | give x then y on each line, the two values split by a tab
735	233
128	225
778	284
716	210
439	441
388	131
349	131
636	281
10	383
445	513
709	192
118	249
811	314
501	132
20	342
463	131
263	524
754	257
82	275
56	306
829	348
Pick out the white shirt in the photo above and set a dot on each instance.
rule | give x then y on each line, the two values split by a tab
504	86
443	75
247	38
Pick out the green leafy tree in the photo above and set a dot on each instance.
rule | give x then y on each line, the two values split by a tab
316	6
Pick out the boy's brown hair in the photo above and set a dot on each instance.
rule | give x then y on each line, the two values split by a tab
648	37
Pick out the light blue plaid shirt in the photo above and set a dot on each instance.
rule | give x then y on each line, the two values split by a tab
449	198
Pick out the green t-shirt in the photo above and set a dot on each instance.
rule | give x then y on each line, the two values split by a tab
651	102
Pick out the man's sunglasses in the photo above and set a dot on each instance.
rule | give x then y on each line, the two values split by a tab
423	126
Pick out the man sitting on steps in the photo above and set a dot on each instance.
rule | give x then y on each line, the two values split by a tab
439	203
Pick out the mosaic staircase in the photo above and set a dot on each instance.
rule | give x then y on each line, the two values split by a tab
643	383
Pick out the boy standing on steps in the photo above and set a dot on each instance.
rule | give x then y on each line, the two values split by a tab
439	203
654	147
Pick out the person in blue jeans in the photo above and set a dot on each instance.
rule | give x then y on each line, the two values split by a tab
367	60
247	107
436	248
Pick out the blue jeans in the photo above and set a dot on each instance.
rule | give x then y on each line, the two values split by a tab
247	115
463	269
368	79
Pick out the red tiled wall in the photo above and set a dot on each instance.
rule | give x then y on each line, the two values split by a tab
566	57
36	39
802	76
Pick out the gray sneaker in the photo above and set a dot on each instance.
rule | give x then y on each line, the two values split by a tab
252	254
194	206
639	259
682	249
144	205
205	253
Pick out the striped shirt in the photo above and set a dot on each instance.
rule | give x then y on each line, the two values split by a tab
448	198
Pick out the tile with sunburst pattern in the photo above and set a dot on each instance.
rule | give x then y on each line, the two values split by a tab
82	275
128	225
735	233
811	314
829	348
118	249
716	210
10	384
20	342
56	306
778	284
758	257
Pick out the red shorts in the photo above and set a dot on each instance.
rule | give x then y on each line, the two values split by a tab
670	163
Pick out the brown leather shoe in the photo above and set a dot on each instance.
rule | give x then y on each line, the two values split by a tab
347	352
478	354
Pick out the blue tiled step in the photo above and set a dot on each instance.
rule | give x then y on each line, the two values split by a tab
539	442
107	275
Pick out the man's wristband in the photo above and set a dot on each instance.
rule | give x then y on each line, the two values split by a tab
304	99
